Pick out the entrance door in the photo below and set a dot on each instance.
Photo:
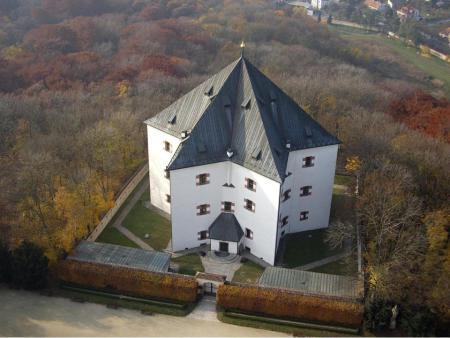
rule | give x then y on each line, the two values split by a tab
223	246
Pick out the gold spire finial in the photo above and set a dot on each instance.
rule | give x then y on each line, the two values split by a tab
242	47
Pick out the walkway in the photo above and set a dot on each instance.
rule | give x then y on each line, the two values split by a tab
226	266
324	261
205	310
126	210
24	313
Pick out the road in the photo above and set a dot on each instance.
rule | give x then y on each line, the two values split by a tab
25	313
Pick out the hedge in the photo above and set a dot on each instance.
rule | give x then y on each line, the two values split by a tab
290	305
129	281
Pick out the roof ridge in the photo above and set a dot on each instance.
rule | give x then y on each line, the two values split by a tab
270	141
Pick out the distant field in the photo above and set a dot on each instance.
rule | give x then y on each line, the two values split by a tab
431	66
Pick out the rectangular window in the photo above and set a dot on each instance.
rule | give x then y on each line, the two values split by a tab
202	179
202	235
306	190
168	198
250	184
249	205
284	221
228	206
167	174
203	209
308	161
286	195
167	146
304	215
248	233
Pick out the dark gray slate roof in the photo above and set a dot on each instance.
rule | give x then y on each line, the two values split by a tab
240	109
121	256
226	228
312	282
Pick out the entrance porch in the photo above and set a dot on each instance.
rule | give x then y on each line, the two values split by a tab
226	234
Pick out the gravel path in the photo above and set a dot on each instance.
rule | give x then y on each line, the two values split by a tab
125	211
24	313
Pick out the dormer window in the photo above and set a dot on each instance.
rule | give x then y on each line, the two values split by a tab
246	103
256	154
202	179
308	161
209	91
306	190
249	205
172	119
250	184
167	146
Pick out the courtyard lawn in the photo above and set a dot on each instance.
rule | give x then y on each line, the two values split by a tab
307	247
141	221
346	267
189	264
249	272
113	236
341	208
343	180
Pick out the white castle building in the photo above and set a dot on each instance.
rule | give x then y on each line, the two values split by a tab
238	165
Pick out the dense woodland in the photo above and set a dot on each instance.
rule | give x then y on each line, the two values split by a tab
78	77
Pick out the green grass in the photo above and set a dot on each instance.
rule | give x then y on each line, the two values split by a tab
343	180
189	264
141	221
307	247
265	325
345	267
249	272
431	66
113	236
129	304
341	208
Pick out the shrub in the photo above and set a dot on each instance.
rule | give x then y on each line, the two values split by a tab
29	267
5	263
418	321
290	304
129	281
378	314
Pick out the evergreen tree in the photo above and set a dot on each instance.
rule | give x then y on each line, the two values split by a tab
5	263
29	267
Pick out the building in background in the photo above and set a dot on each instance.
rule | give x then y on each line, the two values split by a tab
238	165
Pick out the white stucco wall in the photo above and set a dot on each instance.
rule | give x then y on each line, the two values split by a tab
265	222
320	177
158	161
186	196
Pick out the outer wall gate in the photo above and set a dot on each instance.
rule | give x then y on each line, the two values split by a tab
209	282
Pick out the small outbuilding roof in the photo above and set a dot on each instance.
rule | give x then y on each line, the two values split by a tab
118	255
226	228
312	282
